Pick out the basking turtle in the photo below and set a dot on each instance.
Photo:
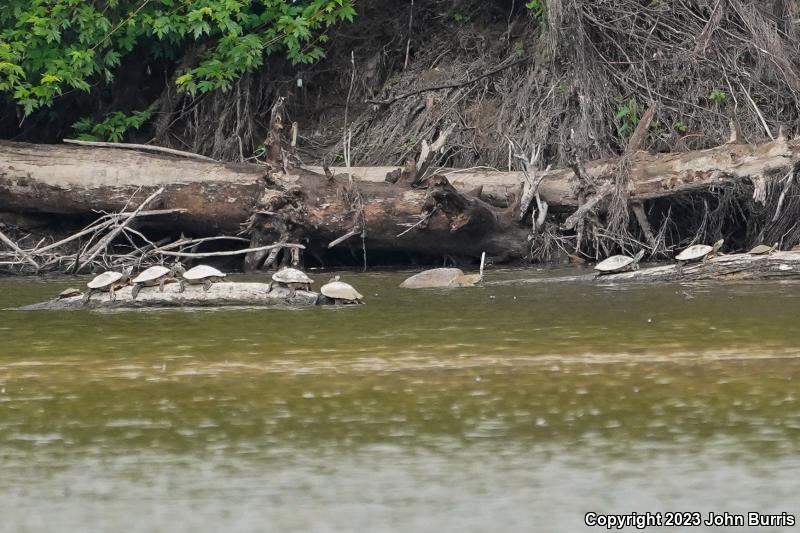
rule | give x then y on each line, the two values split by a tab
201	275
69	293
698	252
434	278
446	278
155	275
292	279
108	282
763	249
441	278
340	292
618	263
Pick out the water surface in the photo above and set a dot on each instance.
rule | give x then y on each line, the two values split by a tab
500	408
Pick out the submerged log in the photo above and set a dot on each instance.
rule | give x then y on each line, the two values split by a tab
734	267
219	295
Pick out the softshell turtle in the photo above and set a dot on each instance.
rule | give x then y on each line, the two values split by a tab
434	278
619	263
69	293
292	279
201	275
441	278
108	282
155	275
340	292
763	249
446	278
698	252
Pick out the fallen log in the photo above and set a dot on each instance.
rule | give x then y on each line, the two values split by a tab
75	180
780	266
307	207
652	175
219	295
218	198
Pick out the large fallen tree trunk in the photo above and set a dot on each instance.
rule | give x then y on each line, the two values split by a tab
651	175
303	206
299	207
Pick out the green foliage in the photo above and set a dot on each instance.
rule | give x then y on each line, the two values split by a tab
718	96
112	128
536	7
628	117
50	47
680	127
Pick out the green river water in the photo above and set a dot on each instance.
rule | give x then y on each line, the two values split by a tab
499	408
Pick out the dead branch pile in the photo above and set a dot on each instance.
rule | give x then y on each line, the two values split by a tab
97	247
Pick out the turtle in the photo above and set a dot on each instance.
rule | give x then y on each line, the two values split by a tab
434	278
619	263
471	280
340	292
292	279
446	278
763	249
69	293
201	275
155	275
698	252
109	282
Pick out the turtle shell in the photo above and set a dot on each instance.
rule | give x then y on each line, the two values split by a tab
104	280
697	251
340	290
69	293
614	263
291	275
202	272
151	274
434	278
761	249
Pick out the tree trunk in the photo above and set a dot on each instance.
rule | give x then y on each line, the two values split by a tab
314	210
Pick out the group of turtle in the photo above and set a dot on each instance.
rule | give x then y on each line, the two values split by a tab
157	276
335	291
698	252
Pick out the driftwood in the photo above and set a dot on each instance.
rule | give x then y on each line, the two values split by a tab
733	267
104	242
219	295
